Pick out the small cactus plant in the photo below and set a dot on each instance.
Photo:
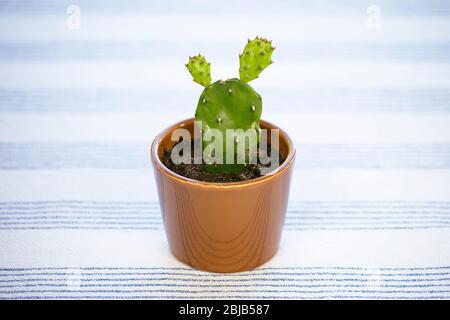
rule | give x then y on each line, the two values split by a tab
233	103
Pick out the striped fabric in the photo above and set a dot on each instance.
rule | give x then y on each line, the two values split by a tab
368	108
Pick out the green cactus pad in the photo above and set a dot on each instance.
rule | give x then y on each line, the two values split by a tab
257	56
230	104
200	70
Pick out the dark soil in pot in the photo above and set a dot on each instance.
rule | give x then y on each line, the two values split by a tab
198	171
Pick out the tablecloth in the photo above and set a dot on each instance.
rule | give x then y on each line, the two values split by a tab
363	88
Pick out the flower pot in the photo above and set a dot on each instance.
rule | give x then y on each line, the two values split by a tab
223	227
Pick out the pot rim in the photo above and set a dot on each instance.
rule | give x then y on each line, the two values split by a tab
222	185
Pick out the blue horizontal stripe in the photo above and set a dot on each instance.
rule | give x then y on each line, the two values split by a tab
251	273
301	216
289	229
357	100
312	228
261	268
36	156
87	218
349	228
175	276
255	278
255	281
224	291
138	285
390	9
252	278
294	206
79	208
149	217
153	215
155	218
352	203
332	206
158	223
303	209
254	297
77	202
75	50
78	228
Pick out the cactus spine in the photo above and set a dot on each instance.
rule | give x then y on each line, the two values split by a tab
231	104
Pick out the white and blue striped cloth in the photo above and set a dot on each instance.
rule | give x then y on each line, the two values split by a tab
368	109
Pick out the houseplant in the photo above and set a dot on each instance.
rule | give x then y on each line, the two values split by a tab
223	205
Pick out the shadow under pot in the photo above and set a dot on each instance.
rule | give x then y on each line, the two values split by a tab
223	227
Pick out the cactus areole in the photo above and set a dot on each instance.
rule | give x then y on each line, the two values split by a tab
233	103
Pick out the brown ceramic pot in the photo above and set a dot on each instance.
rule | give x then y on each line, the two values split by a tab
223	227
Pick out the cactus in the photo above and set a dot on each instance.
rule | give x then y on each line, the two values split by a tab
200	70
231	104
257	56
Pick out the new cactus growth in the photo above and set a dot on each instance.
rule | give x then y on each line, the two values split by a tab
200	70
231	104
257	56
